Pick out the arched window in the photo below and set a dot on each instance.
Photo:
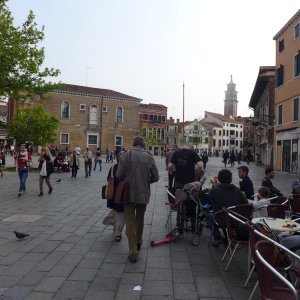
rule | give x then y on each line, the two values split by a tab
119	115
93	114
65	110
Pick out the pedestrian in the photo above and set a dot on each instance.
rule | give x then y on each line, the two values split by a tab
46	167
107	152
140	171
22	162
77	150
246	185
266	181
225	157
204	159
119	221
74	163
87	156
98	159
111	157
239	157
248	156
168	158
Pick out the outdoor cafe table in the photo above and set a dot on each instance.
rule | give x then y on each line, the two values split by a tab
277	224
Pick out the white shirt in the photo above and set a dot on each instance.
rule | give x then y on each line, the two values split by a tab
77	149
260	212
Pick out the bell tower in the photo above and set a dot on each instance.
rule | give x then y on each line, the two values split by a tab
230	102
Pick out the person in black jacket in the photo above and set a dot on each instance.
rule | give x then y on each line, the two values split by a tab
246	185
269	171
224	194
47	167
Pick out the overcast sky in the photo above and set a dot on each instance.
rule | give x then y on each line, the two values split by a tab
146	49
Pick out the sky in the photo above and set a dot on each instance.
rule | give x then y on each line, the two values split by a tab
148	48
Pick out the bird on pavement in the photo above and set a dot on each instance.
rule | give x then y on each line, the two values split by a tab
20	235
58	180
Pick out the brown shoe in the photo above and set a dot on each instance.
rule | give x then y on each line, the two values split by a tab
133	258
217	242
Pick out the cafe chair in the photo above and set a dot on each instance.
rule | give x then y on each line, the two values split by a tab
280	200
295	204
277	210
171	205
219	222
264	253
236	231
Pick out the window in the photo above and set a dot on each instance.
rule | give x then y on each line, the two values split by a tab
297	64
104	108
64	138
281	45
214	132
118	140
82	107
279	114
214	143
93	115
241	134
163	119
119	115
220	132
296	109
220	143
279	75
297	30
92	139
65	110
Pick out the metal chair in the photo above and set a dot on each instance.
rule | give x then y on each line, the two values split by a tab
264	251
277	210
235	228
295	204
171	204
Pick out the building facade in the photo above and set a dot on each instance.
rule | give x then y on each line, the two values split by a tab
152	122
232	131
93	117
262	101
287	96
173	132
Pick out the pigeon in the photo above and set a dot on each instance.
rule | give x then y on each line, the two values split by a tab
58	180
20	235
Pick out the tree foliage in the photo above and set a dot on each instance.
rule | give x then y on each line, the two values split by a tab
21	58
149	138
34	125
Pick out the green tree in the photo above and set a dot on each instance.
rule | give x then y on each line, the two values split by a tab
148	136
34	125
21	58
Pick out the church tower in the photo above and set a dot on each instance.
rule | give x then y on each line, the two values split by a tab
230	102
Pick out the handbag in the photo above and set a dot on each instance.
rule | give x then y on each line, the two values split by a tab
122	192
110	186
103	191
49	167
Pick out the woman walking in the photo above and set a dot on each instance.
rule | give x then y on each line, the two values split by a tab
74	163
46	165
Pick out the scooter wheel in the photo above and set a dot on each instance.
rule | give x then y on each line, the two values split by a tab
152	243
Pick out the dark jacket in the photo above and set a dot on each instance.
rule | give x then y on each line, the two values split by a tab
139	168
273	191
246	186
226	195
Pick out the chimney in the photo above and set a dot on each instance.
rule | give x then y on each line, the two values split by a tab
177	120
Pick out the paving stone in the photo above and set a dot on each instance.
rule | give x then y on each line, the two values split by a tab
183	276
71	259
20	268
158	262
104	284
33	278
47	246
158	274
126	292
50	284
83	274
33	256
39	296
72	290
93	295
132	278
8	281
219	289
157	288
90	263
50	261
18	292
111	270
61	270
116	258
185	291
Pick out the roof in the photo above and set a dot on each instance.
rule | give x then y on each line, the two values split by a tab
265	75
95	92
223	118
212	124
287	25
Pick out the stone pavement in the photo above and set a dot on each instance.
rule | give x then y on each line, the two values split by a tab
70	254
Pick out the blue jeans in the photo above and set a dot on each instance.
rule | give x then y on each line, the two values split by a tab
211	224
98	162
23	174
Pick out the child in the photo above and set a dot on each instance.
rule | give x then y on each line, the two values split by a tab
259	203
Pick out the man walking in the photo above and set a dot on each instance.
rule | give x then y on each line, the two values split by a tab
87	156
139	169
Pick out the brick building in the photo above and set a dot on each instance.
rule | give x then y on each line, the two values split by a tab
173	132
287	95
152	122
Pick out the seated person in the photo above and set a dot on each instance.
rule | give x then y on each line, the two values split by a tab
259	204
224	194
58	163
269	171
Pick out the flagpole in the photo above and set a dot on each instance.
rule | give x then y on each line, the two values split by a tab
183	113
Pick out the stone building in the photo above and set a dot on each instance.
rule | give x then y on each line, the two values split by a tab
262	102
173	132
93	117
287	96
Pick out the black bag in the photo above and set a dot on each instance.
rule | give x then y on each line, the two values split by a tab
49	167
